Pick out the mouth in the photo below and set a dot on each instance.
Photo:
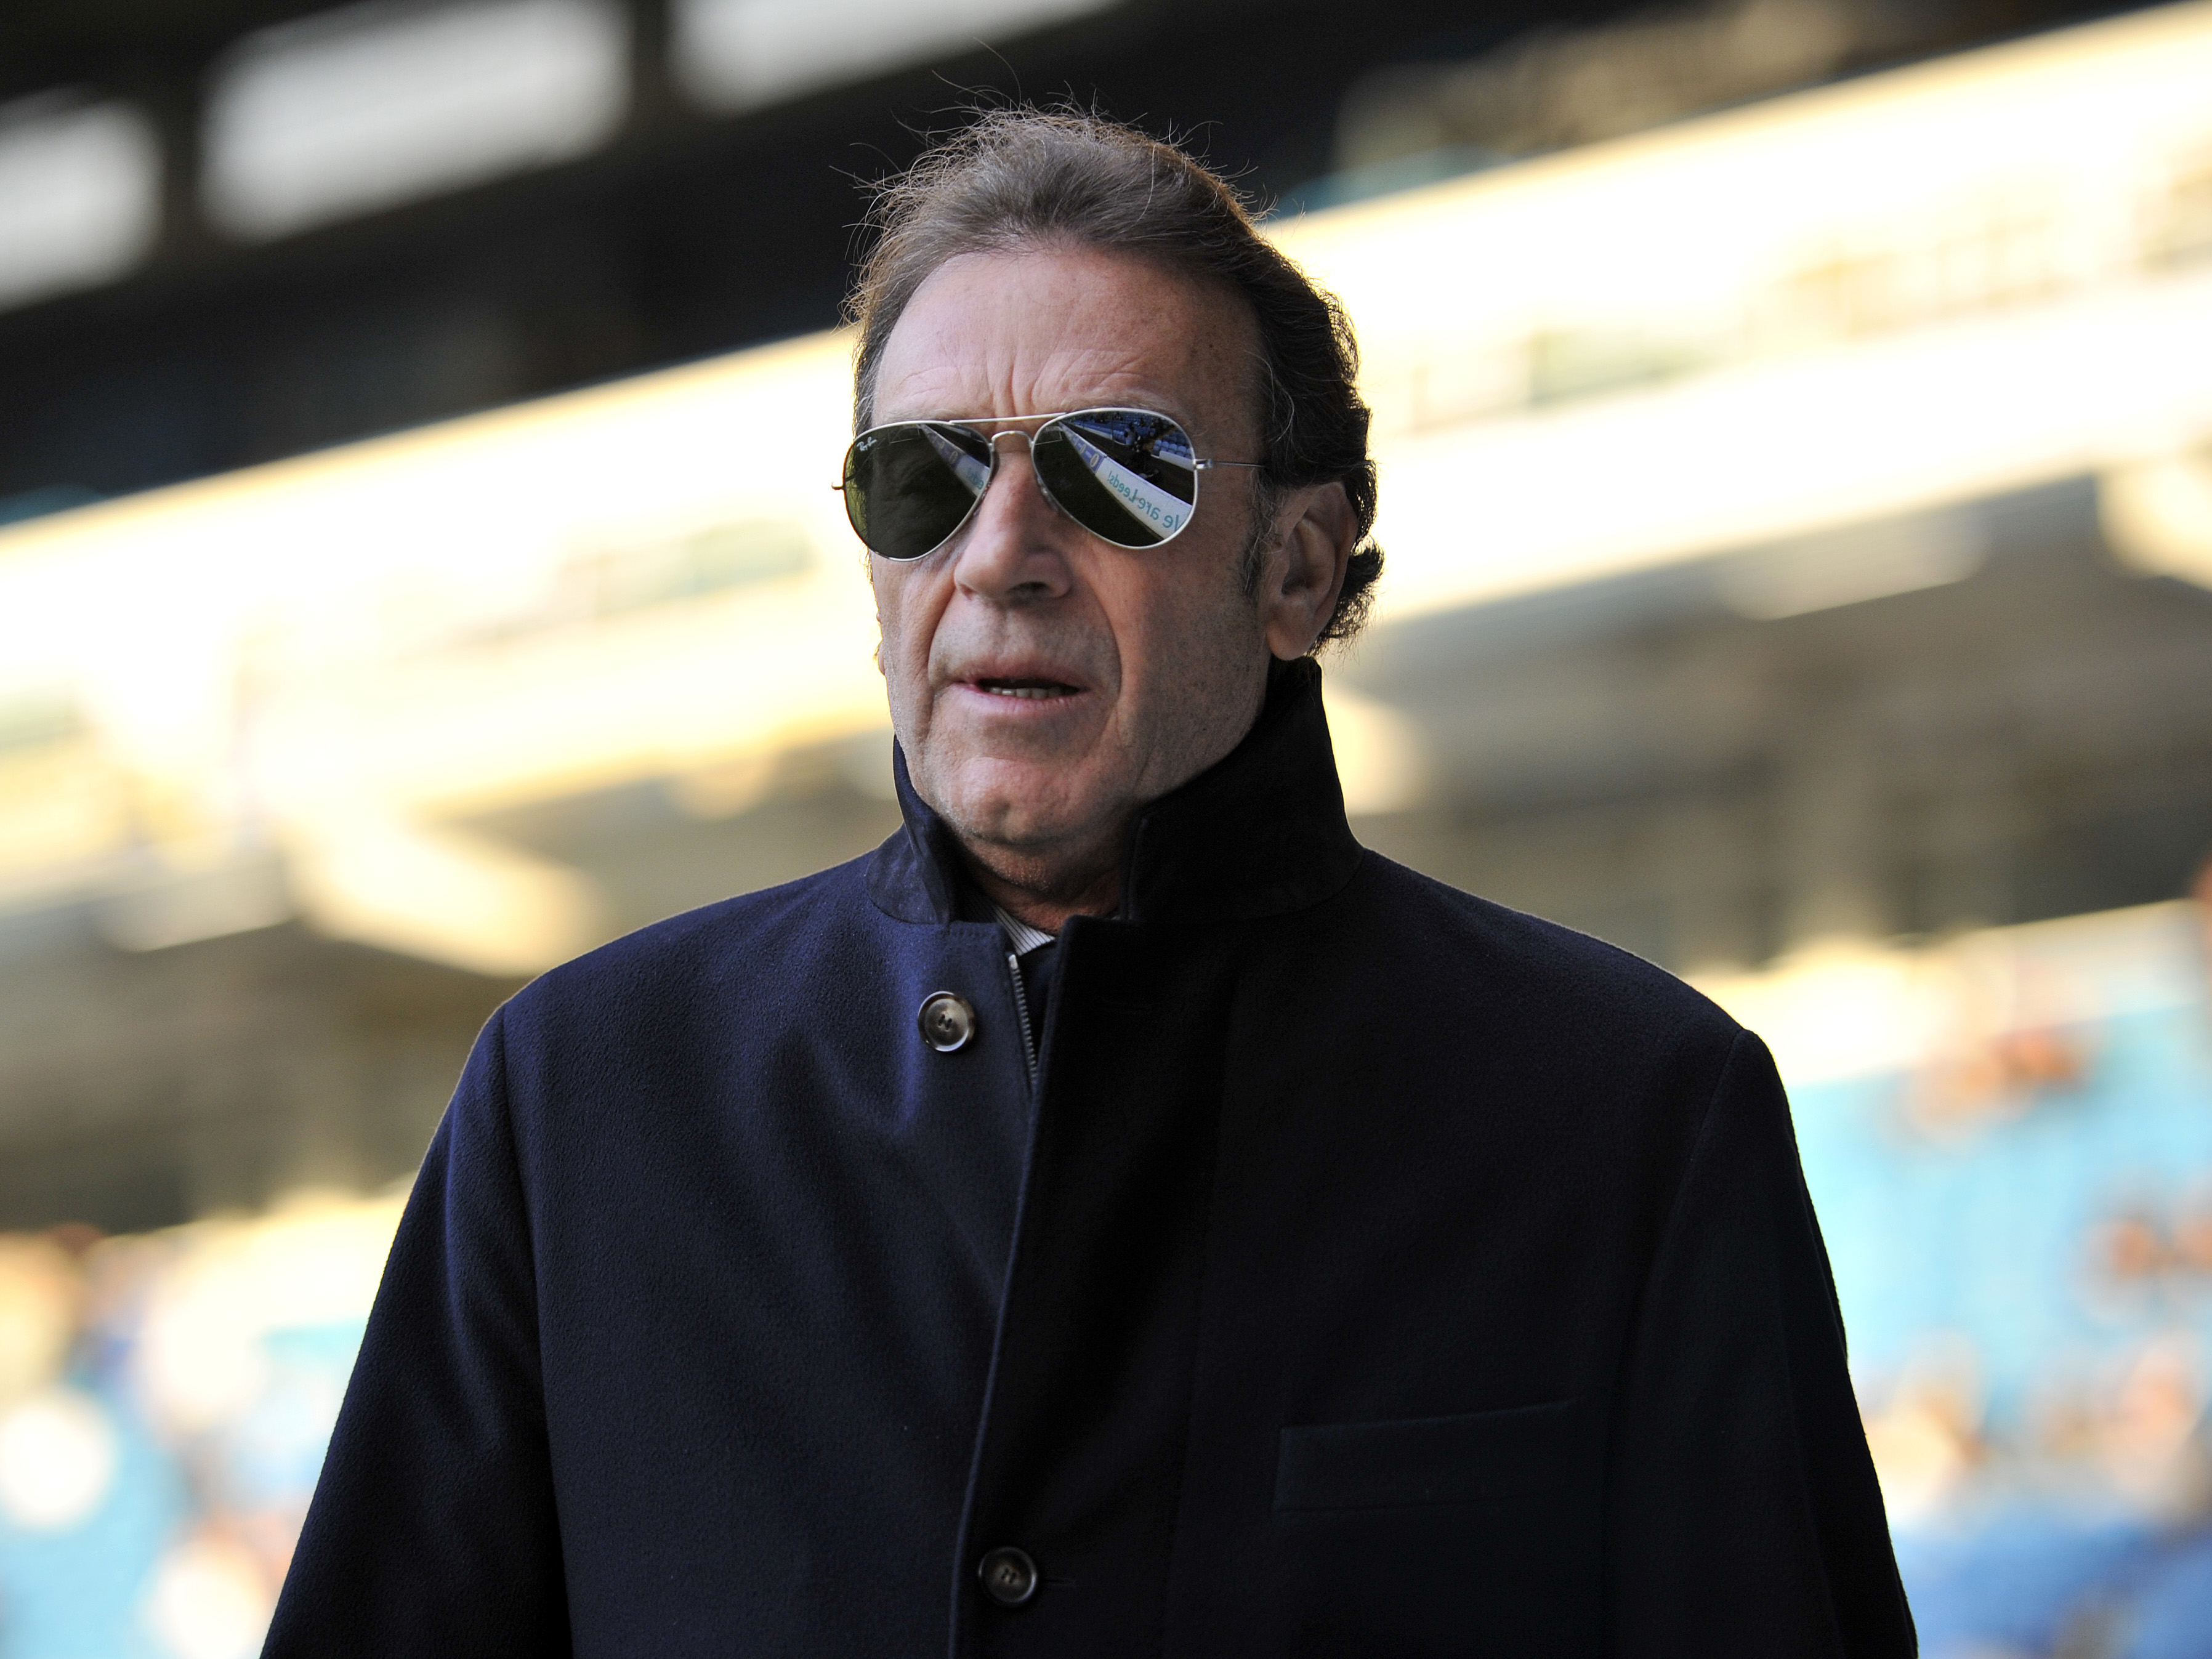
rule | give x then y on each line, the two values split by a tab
1032	690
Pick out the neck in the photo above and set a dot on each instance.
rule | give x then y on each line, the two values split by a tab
1045	892
1259	834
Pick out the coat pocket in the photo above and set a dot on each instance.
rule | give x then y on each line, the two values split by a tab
1482	1458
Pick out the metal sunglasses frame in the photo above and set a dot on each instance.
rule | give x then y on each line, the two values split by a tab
1004	430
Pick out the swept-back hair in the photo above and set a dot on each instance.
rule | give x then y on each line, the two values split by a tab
1022	178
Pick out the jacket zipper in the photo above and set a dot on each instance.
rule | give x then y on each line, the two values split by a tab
1022	1009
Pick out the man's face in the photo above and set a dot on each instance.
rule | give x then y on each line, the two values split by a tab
1044	683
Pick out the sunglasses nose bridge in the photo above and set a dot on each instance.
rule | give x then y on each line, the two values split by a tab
1027	449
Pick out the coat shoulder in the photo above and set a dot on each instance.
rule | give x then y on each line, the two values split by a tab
749	936
1566	982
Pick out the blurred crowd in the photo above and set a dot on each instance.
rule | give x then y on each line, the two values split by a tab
2022	1229
164	1401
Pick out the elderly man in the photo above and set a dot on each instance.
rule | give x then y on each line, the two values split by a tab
1120	1216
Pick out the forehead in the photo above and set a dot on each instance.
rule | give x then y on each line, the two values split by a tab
1039	331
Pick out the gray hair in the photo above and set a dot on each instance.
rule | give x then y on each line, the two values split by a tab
1026	177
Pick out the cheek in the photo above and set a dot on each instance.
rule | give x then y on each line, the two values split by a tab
901	654
901	609
1188	629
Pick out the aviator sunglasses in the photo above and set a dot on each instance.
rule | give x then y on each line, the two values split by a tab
1127	476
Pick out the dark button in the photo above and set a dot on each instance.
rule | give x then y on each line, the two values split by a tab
1010	1577
947	1022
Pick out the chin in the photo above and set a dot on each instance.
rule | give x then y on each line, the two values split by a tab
1017	804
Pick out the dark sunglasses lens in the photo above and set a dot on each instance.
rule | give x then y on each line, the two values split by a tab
1127	477
909	487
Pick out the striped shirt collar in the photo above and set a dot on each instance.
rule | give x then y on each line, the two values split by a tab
1024	938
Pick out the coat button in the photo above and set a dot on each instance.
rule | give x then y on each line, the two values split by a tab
1010	1577
947	1022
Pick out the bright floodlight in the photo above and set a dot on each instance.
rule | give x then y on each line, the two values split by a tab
381	104
733	54
80	195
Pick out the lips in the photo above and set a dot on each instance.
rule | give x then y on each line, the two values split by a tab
1028	689
1020	683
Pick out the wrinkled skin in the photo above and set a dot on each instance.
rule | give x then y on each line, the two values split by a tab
1045	684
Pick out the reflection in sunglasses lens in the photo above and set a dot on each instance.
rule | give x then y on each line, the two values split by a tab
1126	475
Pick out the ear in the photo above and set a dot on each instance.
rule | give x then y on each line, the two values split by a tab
1304	572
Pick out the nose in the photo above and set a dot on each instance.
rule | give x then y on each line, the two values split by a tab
1012	551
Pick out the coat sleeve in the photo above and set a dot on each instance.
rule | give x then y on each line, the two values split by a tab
432	1529
1743	1516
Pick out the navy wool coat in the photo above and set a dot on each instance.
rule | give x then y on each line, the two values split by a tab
1368	1270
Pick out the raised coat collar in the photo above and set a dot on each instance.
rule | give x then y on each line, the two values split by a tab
1260	833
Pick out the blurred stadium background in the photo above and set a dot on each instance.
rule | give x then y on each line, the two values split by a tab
417	564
